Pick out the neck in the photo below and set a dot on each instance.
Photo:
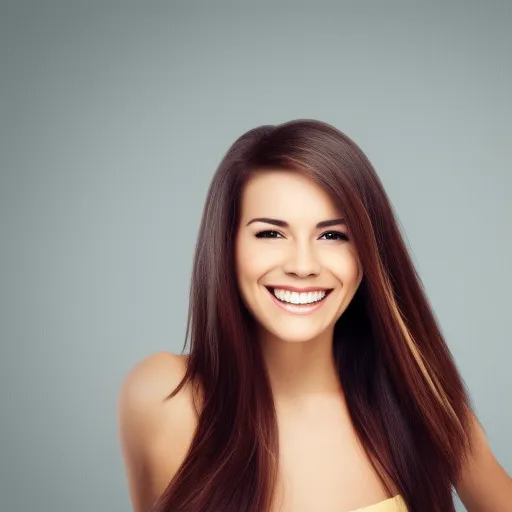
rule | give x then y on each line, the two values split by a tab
301	371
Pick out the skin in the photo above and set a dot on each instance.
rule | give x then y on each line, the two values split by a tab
322	465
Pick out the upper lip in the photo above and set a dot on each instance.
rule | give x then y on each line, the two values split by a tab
299	290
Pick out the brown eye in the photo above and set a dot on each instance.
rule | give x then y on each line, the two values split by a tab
335	235
268	234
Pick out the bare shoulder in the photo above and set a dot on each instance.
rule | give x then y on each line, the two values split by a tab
154	431
150	379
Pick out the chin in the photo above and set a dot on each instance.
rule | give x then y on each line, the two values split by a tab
297	335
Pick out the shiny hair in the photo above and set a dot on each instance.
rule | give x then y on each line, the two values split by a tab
407	401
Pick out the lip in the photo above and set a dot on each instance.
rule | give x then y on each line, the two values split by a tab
295	309
299	290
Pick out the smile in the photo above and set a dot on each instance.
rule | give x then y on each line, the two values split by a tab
298	302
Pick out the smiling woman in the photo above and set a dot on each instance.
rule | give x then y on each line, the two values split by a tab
318	377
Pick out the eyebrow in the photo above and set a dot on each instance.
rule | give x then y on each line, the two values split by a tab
284	224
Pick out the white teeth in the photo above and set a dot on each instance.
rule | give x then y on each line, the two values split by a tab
299	298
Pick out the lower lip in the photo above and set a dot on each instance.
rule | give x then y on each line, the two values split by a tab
298	310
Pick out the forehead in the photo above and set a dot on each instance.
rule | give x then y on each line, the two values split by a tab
286	195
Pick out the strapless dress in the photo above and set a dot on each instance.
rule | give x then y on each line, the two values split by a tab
395	504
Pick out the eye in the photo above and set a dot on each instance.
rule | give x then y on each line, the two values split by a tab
335	235
268	234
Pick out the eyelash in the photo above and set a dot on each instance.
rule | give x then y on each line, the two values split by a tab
341	235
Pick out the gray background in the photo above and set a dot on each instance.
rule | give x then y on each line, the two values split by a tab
113	120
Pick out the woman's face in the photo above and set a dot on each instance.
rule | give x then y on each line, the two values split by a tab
296	264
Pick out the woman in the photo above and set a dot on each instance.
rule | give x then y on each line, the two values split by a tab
317	378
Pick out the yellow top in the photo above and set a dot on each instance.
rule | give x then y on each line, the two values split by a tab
395	504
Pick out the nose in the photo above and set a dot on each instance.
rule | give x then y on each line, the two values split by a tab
302	261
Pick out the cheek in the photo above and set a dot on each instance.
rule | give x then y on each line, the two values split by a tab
248	272
248	265
348	269
251	262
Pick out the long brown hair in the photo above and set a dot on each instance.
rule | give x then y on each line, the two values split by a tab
407	401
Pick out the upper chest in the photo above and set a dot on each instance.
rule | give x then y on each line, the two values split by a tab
322	465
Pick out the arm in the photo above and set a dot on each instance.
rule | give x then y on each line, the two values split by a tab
155	434
134	430
483	485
